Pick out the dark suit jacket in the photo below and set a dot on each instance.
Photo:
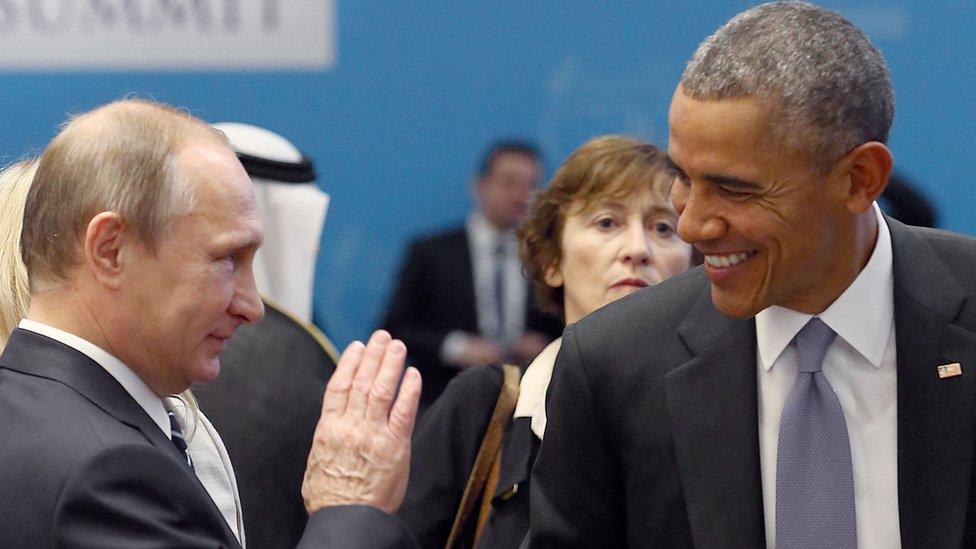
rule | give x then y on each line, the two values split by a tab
265	404
83	465
652	439
445	445
435	296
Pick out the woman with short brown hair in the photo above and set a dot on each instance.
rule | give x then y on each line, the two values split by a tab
602	229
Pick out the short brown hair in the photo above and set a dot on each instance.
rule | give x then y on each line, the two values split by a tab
121	157
610	166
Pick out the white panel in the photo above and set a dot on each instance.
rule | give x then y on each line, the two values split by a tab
167	34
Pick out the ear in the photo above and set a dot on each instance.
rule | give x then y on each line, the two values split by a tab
868	168
553	277
104	240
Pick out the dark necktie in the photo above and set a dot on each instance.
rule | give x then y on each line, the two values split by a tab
177	435
814	477
500	286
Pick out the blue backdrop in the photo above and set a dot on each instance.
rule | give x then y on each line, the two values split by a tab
396	125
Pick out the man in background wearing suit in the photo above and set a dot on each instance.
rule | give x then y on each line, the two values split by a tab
139	233
461	299
814	384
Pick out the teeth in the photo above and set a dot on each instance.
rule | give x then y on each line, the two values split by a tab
727	260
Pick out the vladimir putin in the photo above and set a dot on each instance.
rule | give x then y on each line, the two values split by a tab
139	233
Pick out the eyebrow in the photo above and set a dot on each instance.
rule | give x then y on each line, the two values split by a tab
715	179
673	166
239	241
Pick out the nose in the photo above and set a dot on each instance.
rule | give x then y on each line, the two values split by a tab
246	303
636	248
697	222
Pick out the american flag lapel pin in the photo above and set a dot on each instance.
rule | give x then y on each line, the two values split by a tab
950	370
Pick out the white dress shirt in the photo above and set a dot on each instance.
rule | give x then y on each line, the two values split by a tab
860	365
483	240
129	380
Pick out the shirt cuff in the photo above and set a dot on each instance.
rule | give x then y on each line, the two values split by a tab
453	347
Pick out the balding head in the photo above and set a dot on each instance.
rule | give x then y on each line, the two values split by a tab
121	157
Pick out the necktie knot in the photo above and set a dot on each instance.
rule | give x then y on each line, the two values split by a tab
812	343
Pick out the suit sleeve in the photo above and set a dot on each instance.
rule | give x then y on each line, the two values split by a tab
134	496
405	316
355	527
574	497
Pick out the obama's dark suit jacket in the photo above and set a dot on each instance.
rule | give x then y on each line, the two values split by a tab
83	465
653	438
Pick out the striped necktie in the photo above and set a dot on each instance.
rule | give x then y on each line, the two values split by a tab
177	436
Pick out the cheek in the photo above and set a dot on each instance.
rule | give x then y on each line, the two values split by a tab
674	259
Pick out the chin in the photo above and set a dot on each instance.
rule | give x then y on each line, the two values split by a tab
206	372
735	306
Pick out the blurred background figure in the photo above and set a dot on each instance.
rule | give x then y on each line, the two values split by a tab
273	373
603	229
906	202
461	299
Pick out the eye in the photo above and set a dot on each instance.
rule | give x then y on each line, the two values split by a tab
734	193
681	179
605	222
663	228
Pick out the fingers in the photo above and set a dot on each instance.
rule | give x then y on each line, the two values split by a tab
337	390
404	412
384	387
368	367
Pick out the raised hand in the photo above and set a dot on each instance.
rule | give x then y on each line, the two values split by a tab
361	448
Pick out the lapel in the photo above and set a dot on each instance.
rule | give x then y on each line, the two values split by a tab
37	355
518	455
712	404
467	306
935	416
34	354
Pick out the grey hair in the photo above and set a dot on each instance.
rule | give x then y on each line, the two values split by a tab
826	81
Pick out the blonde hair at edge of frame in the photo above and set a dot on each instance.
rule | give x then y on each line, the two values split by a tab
15	182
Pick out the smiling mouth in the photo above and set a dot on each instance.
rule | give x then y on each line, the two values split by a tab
722	261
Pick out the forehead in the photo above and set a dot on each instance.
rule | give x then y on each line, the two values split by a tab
513	161
222	191
712	134
636	199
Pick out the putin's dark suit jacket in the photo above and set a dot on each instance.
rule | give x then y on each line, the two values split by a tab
435	296
265	404
653	438
83	465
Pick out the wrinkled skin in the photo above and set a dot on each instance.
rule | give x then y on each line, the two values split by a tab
361	448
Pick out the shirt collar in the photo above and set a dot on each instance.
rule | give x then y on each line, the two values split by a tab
534	385
129	380
484	235
862	315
